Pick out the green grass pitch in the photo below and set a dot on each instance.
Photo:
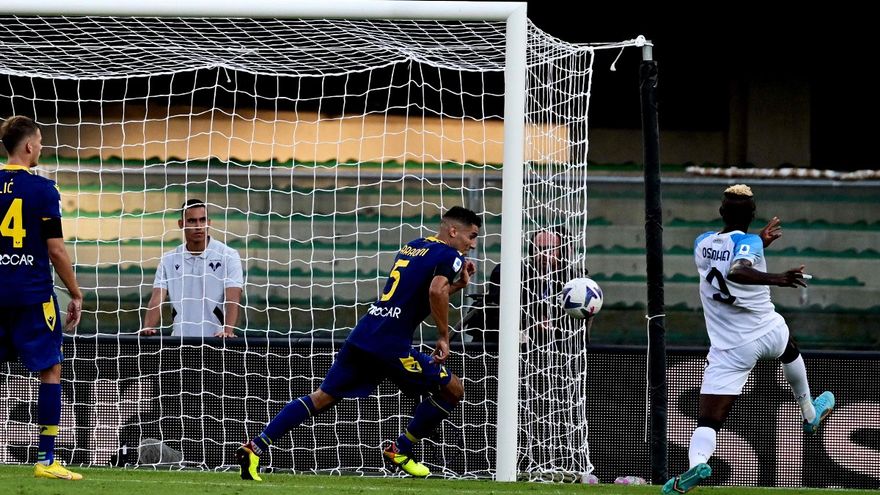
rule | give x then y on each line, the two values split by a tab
19	480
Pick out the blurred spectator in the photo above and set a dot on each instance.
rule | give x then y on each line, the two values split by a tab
546	270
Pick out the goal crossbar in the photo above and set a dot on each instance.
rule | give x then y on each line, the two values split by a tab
304	9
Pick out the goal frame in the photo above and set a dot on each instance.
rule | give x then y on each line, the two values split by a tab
514	14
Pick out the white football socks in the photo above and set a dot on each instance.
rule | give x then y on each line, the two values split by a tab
702	445
796	374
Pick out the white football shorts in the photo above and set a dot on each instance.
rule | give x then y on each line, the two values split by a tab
727	370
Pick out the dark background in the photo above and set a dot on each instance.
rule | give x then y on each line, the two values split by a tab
703	54
701	51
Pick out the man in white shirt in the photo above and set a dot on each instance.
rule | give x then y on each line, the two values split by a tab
202	277
743	327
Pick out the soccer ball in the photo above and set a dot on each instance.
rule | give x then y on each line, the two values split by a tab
582	298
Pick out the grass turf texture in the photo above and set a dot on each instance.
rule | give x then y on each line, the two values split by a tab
19	480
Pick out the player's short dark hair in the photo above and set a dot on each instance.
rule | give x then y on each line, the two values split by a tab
16	129
192	203
738	206
463	215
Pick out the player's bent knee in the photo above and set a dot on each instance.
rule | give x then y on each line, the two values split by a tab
791	353
322	400
453	392
51	374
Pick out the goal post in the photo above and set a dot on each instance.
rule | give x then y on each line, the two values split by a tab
321	135
511	253
658	399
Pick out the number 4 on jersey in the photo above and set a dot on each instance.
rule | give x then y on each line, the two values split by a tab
13	224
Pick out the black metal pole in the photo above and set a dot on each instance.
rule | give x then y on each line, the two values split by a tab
654	258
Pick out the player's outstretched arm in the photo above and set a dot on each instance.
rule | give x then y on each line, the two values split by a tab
438	295
64	269
771	231
742	272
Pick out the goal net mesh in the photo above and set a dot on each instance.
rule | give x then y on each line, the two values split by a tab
320	147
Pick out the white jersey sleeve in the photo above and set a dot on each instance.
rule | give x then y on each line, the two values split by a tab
161	280
234	271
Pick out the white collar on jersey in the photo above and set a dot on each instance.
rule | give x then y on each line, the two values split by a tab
204	254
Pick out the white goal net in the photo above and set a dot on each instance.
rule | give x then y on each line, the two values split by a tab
320	147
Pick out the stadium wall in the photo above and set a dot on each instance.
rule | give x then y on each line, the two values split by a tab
204	399
260	136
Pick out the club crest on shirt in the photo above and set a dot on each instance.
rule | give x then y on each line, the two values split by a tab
177	267
214	265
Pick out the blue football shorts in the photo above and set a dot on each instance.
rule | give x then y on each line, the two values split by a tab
357	373
31	333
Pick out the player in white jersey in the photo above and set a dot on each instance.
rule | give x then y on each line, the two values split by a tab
202	277
743	327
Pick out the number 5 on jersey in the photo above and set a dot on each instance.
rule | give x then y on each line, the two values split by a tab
395	275
12	224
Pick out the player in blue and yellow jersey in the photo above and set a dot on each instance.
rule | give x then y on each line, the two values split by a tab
31	238
425	272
